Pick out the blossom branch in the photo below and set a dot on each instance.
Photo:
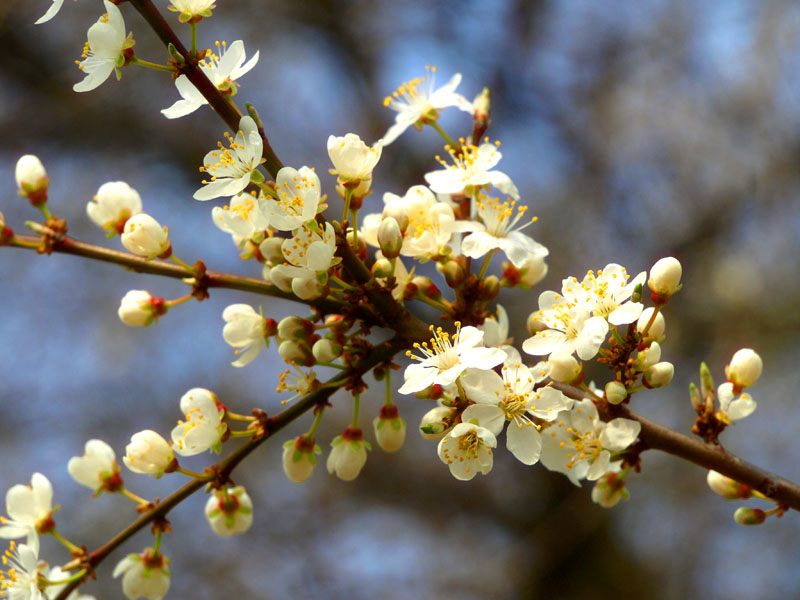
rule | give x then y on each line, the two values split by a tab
709	456
224	468
227	111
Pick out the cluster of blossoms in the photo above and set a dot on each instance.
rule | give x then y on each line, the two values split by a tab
467	210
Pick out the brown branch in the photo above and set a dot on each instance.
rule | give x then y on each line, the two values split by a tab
227	111
708	456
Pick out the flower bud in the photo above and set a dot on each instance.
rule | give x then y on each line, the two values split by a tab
665	279
348	454
112	206
647	357
32	180
337	323
6	233
490	287
432	426
453	273
390	429
97	469
615	392
532	270
145	237
229	511
727	487
744	369
481	106
564	368
308	288
270	250
148	453
359	248
398	213
426	287
749	516
296	352
352	158
659	375
609	490
139	309
146	575
656	331
534	323
390	238
696	399
382	268
325	350
707	384
295	328
299	458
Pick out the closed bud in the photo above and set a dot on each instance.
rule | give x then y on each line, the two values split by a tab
482	105
325	350
382	268
609	490
144	575
145	237
390	429
696	399
665	279
229	511
348	454
657	328
433	392
532	271
390	238
112	206
647	357
749	516
32	180
615	392
308	288
148	453
398	213
139	309
707	384
453	273
299	458
659	375
361	248
296	352
433	425
490	287
270	249
727	487
564	368
744	369
337	323
295	328
426	287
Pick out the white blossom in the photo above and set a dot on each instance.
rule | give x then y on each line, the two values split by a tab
30	174
298	198
309	255
145	237
191	8
299	458
579	444
148	453
52	11
244	331
348	454
448	357
745	368
733	407
231	169
295	380
472	169
229	511
495	334
102	53
139	309
665	277
30	508
52	591
222	70
96	468
606	294
352	159
114	203
467	447
244	217
390	429
144	575
497	230
203	428
417	104
19	573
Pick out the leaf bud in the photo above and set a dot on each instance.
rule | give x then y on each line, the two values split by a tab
616	392
696	399
727	487
659	375
706	384
749	516
390	238
665	279
744	369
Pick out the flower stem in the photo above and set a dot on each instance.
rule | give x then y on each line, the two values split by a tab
485	264
315	424
157	543
200	476
74	577
345	285
445	136
181	300
180	263
237	417
132	496
348	194
586	389
63	540
431	302
151	65
355	228
45	211
461	393
194	38
356	406
388	378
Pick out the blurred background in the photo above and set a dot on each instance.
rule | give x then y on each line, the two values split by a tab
634	130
